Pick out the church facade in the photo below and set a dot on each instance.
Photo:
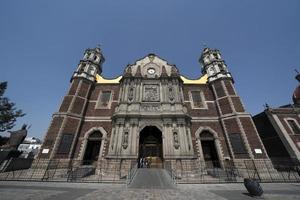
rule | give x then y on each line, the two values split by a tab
153	112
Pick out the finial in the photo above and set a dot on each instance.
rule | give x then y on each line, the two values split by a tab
98	46
297	77
266	106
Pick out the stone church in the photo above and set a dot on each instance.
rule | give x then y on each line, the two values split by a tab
152	111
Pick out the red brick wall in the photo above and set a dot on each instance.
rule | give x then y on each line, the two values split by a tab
237	104
232	126
78	105
84	89
225	106
98	88
51	136
71	125
210	111
73	87
219	89
229	87
65	104
252	136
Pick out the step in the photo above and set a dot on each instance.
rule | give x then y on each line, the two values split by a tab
150	178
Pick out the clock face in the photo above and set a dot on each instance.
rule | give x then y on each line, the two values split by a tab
151	71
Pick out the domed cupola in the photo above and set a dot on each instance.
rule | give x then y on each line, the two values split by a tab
296	94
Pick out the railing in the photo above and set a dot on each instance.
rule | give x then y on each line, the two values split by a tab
67	171
131	173
232	172
181	172
168	168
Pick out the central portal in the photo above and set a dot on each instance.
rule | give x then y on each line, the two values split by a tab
150	147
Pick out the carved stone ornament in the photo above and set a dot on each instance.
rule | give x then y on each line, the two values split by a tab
113	139
176	140
151	93
151	108
171	93
130	93
125	140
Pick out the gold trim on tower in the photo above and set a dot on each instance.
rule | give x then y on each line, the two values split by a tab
201	80
103	80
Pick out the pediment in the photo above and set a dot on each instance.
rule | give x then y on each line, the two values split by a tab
151	66
151	61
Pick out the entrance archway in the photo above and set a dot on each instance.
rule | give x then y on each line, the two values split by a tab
92	148
150	147
209	149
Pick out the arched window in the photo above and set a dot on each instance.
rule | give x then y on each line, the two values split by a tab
206	135
294	126
96	135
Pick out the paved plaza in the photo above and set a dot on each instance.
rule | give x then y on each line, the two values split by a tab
86	191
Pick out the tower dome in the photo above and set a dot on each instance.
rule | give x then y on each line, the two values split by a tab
296	95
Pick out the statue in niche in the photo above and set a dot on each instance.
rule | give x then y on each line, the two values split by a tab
125	140
130	93
176	140
171	93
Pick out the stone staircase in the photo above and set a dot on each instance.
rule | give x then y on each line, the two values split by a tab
152	178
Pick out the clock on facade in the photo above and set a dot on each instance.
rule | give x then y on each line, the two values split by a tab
151	71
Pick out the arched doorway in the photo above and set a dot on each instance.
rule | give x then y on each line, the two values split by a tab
150	146
209	149
92	148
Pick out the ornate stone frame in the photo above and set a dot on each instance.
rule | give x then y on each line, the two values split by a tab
144	125
287	119
202	99
216	141
97	106
85	140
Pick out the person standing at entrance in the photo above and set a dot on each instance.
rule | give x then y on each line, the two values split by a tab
141	162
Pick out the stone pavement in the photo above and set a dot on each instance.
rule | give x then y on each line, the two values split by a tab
85	191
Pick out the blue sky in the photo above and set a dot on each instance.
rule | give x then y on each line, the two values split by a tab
41	43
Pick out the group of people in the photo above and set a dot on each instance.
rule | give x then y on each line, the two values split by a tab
144	162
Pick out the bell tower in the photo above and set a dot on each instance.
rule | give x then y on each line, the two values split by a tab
213	65
90	65
240	132
63	133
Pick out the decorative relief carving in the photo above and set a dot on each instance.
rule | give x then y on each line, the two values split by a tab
151	93
125	140
187	136
113	139
176	140
171	93
151	108
130	93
